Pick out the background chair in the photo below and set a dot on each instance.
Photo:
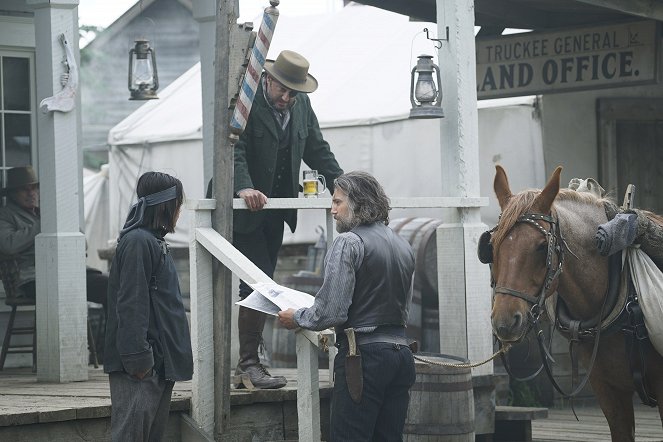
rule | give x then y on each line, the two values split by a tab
9	272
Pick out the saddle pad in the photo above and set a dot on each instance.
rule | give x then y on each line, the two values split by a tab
648	281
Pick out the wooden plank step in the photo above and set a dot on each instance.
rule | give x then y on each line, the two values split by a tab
509	413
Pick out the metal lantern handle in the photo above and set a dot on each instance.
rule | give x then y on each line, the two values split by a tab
412	81
439	84
155	77
132	51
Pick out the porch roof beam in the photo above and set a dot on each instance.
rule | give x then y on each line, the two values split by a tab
641	8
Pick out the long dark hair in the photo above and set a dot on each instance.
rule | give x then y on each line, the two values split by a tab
367	200
161	216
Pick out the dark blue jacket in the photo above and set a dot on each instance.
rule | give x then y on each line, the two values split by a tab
146	325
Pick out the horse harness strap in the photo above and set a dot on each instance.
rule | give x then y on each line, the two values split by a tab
635	332
636	339
629	321
507	291
574	334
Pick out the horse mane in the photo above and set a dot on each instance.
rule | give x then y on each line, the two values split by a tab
658	219
522	203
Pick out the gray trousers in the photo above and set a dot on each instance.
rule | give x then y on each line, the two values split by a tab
139	409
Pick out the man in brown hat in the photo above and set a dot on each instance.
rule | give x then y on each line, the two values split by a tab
20	223
282	130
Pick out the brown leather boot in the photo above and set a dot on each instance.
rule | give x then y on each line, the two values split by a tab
250	324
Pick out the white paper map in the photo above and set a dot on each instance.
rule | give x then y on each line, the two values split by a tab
271	298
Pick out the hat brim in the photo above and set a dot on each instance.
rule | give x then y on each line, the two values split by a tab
6	190
310	85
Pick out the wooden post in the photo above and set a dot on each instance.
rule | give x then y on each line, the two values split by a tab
202	394
308	386
231	52
464	290
204	11
464	283
62	353
226	19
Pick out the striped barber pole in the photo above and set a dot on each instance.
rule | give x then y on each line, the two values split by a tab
253	71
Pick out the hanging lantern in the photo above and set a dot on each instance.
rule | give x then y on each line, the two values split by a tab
425	95
143	77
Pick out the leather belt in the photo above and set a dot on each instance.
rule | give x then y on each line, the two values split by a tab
371	338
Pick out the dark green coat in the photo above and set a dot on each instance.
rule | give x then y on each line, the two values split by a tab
255	156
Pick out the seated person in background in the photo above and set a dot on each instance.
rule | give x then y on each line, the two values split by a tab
20	223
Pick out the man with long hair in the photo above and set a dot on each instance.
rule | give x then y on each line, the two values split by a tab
148	346
365	295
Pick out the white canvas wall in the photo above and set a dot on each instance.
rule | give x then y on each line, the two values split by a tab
403	154
182	159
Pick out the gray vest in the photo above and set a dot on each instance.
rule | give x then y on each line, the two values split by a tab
382	293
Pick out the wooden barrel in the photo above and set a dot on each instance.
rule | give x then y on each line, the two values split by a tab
441	402
420	233
430	330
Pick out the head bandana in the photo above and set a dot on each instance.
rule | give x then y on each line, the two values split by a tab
137	211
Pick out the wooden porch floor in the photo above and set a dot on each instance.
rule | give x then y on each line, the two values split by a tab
561	425
24	401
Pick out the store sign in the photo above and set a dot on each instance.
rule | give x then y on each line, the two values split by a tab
578	59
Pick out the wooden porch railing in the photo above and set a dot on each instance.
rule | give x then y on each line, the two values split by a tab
205	245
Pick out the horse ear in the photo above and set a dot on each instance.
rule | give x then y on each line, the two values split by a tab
501	186
544	201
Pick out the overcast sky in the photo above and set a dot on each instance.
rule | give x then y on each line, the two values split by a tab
104	12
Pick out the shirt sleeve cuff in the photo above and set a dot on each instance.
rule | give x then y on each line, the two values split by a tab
242	190
135	363
298	316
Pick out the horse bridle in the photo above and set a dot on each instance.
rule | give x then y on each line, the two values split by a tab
556	245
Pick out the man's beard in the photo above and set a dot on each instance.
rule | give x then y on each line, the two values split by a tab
273	104
346	224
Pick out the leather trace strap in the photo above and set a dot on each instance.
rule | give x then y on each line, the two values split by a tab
636	339
574	339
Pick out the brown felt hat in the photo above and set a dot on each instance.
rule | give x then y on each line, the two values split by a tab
18	177
291	70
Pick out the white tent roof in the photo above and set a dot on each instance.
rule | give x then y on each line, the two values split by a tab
362	57
176	115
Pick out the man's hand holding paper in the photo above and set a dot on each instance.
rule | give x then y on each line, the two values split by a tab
271	298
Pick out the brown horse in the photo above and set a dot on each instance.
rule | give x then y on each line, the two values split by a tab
524	269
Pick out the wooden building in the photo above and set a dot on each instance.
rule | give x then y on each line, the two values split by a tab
173	33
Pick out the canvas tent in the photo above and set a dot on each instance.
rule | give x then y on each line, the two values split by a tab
362	57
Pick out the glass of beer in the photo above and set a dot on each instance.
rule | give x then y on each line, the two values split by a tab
311	183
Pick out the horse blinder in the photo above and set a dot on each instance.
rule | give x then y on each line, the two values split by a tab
485	247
